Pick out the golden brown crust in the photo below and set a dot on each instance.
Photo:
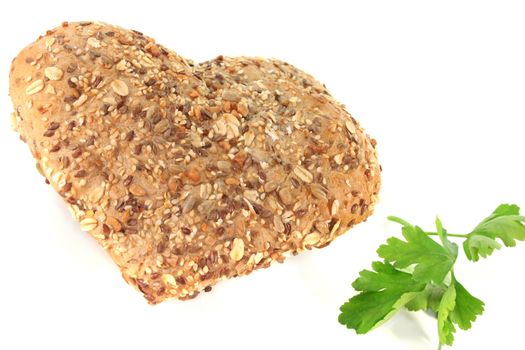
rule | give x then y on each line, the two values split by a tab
189	174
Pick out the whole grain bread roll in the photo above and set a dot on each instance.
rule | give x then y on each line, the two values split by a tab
188	174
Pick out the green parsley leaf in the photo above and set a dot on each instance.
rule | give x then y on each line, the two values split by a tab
479	245
452	248
505	223
383	291
432	261
467	308
458	307
429	298
446	328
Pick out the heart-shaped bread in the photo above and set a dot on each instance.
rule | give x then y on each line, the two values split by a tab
189	174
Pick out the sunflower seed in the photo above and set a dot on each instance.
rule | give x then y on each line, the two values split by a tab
286	196
80	101
231	95
335	207
350	127
120	87
311	238
35	87
237	251
136	190
53	73
278	223
114	223
93	42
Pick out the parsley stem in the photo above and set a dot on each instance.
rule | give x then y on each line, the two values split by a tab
399	221
448	234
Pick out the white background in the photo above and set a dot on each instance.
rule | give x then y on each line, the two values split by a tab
440	85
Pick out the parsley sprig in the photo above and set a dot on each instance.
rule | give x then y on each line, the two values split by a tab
417	273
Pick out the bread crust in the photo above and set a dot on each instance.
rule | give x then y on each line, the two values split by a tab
188	174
